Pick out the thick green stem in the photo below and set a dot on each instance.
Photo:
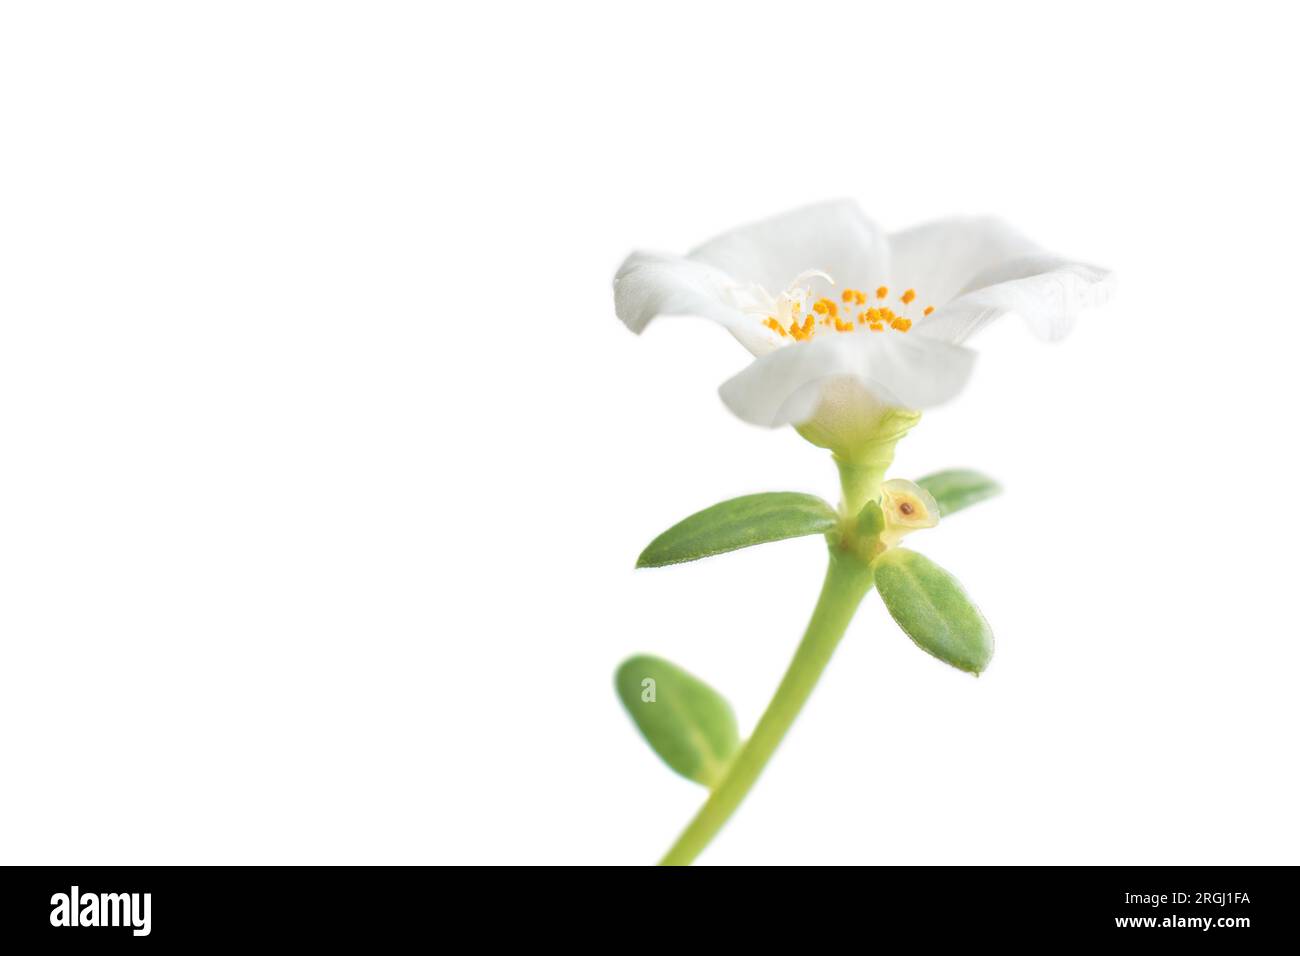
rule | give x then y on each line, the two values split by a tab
861	478
863	464
847	582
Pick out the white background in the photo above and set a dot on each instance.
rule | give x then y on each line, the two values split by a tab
325	461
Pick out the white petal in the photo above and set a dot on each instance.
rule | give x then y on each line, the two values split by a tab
786	386
649	285
938	259
1046	291
834	237
976	269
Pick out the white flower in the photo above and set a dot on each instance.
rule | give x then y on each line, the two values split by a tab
844	321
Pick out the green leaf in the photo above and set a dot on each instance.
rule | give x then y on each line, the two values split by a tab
930	605
959	488
689	724
738	523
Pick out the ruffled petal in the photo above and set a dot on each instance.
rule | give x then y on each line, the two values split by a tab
977	269
649	285
835	237
1048	292
940	258
786	387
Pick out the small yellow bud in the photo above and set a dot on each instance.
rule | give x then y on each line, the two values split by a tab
906	506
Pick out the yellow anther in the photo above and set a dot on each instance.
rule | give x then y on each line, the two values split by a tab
803	318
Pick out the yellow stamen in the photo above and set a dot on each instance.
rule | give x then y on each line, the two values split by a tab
803	318
929	309
826	307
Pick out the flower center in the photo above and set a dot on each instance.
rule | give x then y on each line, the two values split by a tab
791	316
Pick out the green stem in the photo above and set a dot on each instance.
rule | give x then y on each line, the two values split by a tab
860	478
847	582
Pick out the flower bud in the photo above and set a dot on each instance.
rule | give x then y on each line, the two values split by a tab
906	507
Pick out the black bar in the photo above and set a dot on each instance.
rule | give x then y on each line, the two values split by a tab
1230	906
